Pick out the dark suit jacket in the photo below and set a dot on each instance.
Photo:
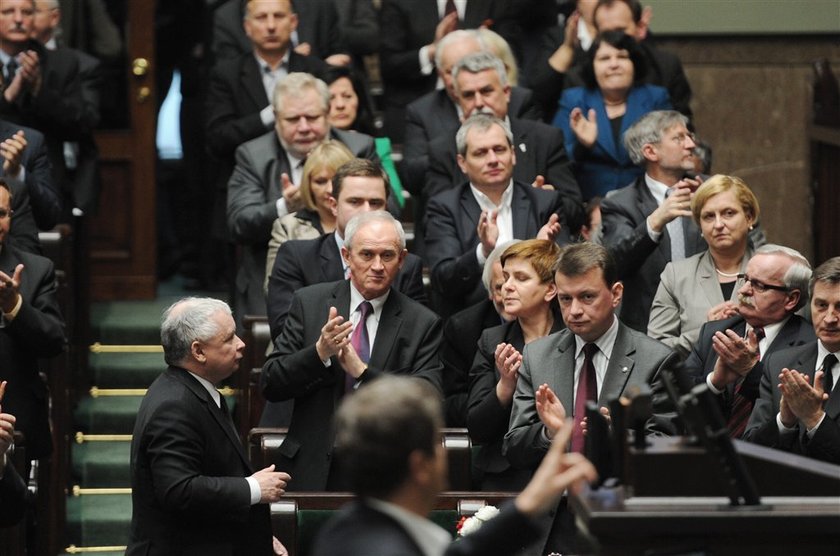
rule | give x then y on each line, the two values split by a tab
460	342
360	530
306	262
434	115
12	496
44	195
636	360
487	419
451	238
23	232
606	165
36	332
639	259
539	150
407	343
702	359
762	427
188	469
253	191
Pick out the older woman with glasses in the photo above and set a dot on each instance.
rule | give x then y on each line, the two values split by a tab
705	286
528	293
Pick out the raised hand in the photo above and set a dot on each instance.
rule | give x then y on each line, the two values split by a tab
584	128
335	335
508	360
272	484
550	409
736	356
488	231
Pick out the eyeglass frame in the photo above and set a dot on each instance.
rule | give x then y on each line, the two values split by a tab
4	213
760	286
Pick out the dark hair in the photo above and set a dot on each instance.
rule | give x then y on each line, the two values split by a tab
359	167
364	114
634	5
621	41
5	185
828	272
379	427
579	258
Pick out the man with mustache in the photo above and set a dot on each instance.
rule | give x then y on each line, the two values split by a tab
798	409
730	352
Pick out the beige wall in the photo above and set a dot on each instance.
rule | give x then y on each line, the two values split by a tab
752	103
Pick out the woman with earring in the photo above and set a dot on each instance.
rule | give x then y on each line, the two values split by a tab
704	287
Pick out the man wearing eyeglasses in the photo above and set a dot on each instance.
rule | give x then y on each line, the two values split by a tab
798	408
729	353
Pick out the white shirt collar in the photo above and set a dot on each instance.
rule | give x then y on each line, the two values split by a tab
822	351
51	44
429	536
284	62
209	387
484	201
657	189
356	299
605	343
770	333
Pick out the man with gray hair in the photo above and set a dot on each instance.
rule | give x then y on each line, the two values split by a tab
338	336
465	223
265	182
192	487
729	353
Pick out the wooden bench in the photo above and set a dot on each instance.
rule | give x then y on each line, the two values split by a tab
257	337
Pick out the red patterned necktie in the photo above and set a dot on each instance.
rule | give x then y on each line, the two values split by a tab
739	416
587	389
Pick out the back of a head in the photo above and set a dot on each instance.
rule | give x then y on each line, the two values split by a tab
378	428
186	321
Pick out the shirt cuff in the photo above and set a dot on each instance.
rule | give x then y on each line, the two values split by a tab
479	254
10	316
712	386
811	432
254	486
282	209
655	236
267	116
426	67
782	428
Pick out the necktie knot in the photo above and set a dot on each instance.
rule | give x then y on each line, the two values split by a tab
364	310
11	70
828	378
759	332
589	350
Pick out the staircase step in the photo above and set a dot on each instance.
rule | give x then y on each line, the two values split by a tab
107	415
99	520
128	322
125	370
102	464
97	553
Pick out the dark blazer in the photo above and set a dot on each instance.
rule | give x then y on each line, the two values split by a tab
434	115
636	360
451	238
407	343
640	260
44	193
487	419
36	332
460	342
762	427
253	191
606	165
539	150
307	262
188	469
23	232
360	530
12	495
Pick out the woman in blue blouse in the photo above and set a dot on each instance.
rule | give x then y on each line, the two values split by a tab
594	117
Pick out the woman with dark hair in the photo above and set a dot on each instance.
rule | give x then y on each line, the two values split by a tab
350	105
594	117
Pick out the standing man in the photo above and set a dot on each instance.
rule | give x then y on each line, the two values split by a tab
193	489
465	223
798	409
341	335
728	356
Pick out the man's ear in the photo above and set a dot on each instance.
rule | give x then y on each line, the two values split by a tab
197	351
617	291
649	152
793	297
345	254
462	163
643	26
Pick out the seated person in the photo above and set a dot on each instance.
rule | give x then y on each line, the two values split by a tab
12	488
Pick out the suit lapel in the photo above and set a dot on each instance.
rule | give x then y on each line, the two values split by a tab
790	334
562	378
470	212
331	267
520	210
605	138
525	169
619	368
252	82
388	331
707	280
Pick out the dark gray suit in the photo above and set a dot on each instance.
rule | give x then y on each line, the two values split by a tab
253	191
636	360
407	343
762	427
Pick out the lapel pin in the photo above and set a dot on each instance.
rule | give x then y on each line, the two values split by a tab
624	369
522	147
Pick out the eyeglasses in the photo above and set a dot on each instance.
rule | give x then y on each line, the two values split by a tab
5	213
760	287
682	138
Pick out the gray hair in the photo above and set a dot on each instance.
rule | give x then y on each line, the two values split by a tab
295	85
481	122
478	62
186	321
495	255
373	216
828	272
453	37
798	274
648	130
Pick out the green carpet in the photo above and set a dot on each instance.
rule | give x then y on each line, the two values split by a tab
99	520
125	370
102	464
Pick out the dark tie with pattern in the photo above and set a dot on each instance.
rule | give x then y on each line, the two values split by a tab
360	341
10	70
587	389
827	366
742	406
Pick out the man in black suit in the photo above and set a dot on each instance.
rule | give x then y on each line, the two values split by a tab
481	86
559	64
397	467
23	232
728	356
31	328
798	409
464	224
339	336
192	488
358	186
12	488
265	182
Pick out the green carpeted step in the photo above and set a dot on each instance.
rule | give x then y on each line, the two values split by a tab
107	415
127	322
97	553
125	370
102	464
98	520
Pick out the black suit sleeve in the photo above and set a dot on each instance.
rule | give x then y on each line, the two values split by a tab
455	273
226	128
43	193
487	419
12	496
38	327
285	279
628	242
24	231
410	281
